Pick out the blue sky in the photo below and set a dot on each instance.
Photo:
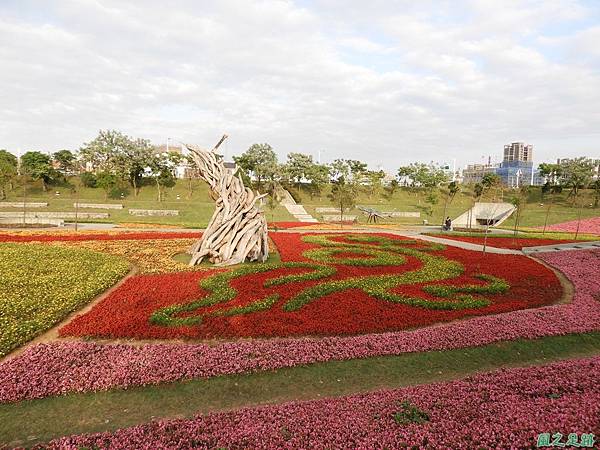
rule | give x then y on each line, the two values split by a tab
388	82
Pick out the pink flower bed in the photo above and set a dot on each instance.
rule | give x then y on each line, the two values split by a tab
502	409
60	367
591	226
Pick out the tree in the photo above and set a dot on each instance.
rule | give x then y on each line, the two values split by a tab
191	173
375	178
66	160
162	167
105	152
37	166
453	189
391	188
577	174
343	194
133	160
8	171
297	167
318	176
519	200
431	199
596	187
260	160
108	182
422	175
88	179
553	189
490	181
351	169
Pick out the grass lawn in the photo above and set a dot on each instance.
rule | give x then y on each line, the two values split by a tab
42	284
28	422
197	208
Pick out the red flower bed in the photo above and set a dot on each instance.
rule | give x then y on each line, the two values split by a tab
508	242
121	236
287	225
126	311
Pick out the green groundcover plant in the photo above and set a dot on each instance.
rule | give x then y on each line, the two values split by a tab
42	284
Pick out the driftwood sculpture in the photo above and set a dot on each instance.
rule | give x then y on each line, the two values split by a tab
238	229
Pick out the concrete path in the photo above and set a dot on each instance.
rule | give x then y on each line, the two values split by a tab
583	245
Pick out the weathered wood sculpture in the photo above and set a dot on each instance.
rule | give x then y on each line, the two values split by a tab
238	229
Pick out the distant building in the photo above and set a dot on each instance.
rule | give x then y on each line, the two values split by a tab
517	167
515	170
474	173
518	152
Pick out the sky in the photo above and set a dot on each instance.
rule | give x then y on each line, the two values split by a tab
386	82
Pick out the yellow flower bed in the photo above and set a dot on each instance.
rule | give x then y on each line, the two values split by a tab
149	256
41	284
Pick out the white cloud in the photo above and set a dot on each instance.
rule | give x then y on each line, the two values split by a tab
387	82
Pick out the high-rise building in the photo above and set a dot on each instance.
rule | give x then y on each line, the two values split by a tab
518	151
517	167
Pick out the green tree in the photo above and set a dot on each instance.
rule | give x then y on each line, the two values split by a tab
259	160
163	167
134	160
577	174
318	176
88	179
8	171
297	167
343	194
422	175
66	160
37	165
450	193
108	182
105	152
595	185
491	182
375	179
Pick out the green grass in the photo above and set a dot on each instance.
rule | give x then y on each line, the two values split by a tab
42	284
28	422
194	212
533	213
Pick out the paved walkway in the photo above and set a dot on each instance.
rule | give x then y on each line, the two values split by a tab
583	245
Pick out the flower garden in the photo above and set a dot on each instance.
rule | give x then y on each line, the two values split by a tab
328	297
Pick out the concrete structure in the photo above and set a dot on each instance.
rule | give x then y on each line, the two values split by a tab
31	221
98	205
483	214
336	218
55	215
153	212
23	205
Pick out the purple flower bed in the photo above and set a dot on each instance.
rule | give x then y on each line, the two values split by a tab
502	409
61	367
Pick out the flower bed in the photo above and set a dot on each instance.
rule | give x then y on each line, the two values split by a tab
41	284
287	225
501	409
87	236
509	242
148	255
326	285
60	367
591	226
